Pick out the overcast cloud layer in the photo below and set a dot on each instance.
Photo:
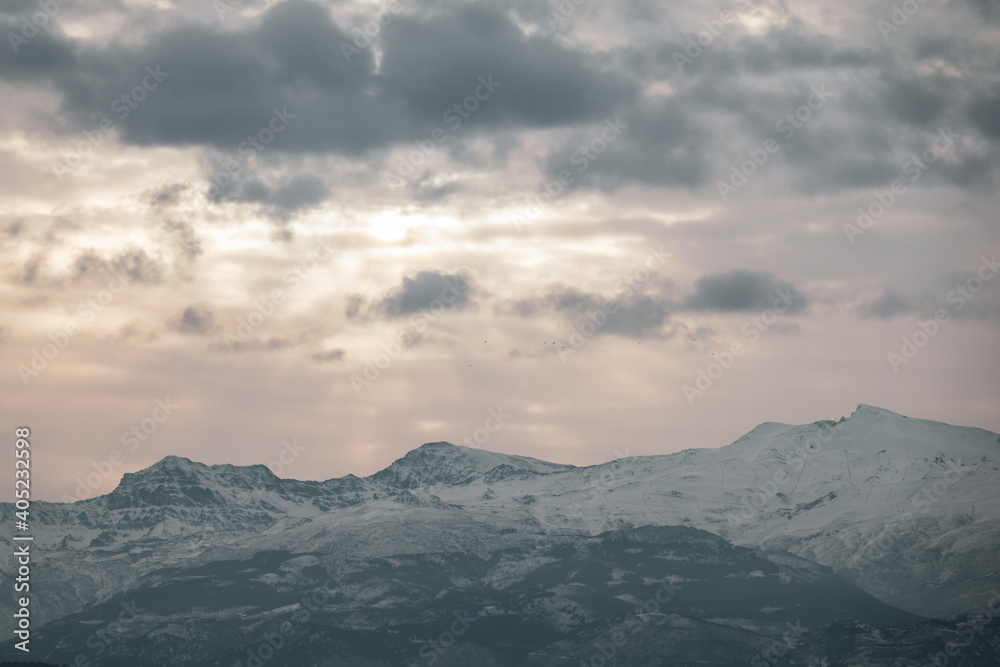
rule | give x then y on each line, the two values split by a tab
635	227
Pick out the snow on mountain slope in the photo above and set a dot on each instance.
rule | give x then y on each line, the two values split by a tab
441	463
907	509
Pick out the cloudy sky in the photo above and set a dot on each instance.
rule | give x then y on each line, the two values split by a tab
574	231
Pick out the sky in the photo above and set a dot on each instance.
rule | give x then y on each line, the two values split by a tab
315	235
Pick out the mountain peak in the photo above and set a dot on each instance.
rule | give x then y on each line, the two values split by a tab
173	462
873	409
866	414
439	445
442	463
176	480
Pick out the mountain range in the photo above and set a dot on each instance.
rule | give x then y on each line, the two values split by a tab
863	541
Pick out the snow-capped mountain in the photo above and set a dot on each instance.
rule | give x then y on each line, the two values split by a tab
906	510
444	464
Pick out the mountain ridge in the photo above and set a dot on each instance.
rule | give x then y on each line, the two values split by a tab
835	493
437	452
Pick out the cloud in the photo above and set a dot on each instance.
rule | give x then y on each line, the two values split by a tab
136	330
45	54
29	273
196	320
984	112
435	60
134	264
282	197
425	290
167	195
329	356
988	9
659	142
137	266
183	239
632	316
961	295
270	344
742	290
220	86
890	304
225	83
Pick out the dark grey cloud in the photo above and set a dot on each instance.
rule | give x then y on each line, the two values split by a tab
274	343
132	264
196	320
426	290
987	9
328	356
743	290
434	60
218	87
167	195
183	239
225	84
919	100
886	105
890	304
89	266
137	266
136	331
961	295
29	273
627	314
16	7
658	142
984	112
717	109
47	53
282	197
